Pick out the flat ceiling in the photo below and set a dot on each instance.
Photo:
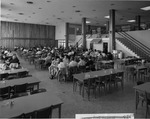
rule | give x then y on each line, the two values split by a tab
53	12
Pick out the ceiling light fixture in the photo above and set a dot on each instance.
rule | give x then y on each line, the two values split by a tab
29	2
20	13
131	21
107	17
146	8
87	22
77	11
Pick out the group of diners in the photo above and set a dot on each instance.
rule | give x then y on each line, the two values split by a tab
62	58
23	90
8	60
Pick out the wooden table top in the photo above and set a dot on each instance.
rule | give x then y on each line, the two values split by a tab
27	104
19	81
143	87
82	76
14	71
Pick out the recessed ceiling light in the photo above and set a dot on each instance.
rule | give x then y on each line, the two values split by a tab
131	21
29	2
93	10
107	17
73	6
59	18
48	1
87	22
40	8
21	13
62	11
146	8
33	13
77	11
9	9
112	4
12	3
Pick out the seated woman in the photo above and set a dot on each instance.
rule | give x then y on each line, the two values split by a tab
14	62
73	62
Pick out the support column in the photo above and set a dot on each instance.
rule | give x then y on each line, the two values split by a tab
67	34
107	27
138	22
84	32
112	42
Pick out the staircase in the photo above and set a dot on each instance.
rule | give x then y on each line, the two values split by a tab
80	41
134	45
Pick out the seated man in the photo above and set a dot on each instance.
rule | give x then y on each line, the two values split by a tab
14	62
81	62
73	62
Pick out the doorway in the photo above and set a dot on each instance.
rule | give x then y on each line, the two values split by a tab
105	47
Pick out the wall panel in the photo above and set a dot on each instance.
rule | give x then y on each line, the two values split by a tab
27	35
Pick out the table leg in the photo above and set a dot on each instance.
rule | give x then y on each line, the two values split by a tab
37	86
136	99
59	111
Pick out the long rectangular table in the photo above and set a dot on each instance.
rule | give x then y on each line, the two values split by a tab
83	76
141	89
29	104
19	81
14	71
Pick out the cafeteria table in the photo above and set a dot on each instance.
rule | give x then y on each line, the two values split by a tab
14	71
28	104
93	74
141	89
19	81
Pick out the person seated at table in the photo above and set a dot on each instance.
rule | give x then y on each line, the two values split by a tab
48	59
73	62
38	52
14	59
61	65
66	60
90	64
109	56
81	62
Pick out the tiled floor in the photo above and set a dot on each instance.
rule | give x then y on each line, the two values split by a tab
117	101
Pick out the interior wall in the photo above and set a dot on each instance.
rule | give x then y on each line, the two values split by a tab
143	36
27	35
61	31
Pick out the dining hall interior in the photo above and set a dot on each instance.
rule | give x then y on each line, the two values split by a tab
73	58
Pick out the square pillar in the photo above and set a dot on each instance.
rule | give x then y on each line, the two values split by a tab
67	34
112	30
84	32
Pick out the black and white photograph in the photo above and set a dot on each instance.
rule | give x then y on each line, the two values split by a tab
79	59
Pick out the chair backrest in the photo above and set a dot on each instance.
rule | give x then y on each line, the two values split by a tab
43	113
4	76
22	74
82	68
113	76
89	82
120	74
21	88
5	91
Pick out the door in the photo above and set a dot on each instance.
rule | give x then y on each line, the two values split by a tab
105	47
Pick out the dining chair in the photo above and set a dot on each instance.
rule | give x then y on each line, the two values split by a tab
110	80
147	101
120	79
62	73
20	90
101	83
71	71
38	91
4	76
81	69
43	113
88	85
22	74
5	92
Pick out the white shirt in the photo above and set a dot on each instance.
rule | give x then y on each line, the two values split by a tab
73	64
61	65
